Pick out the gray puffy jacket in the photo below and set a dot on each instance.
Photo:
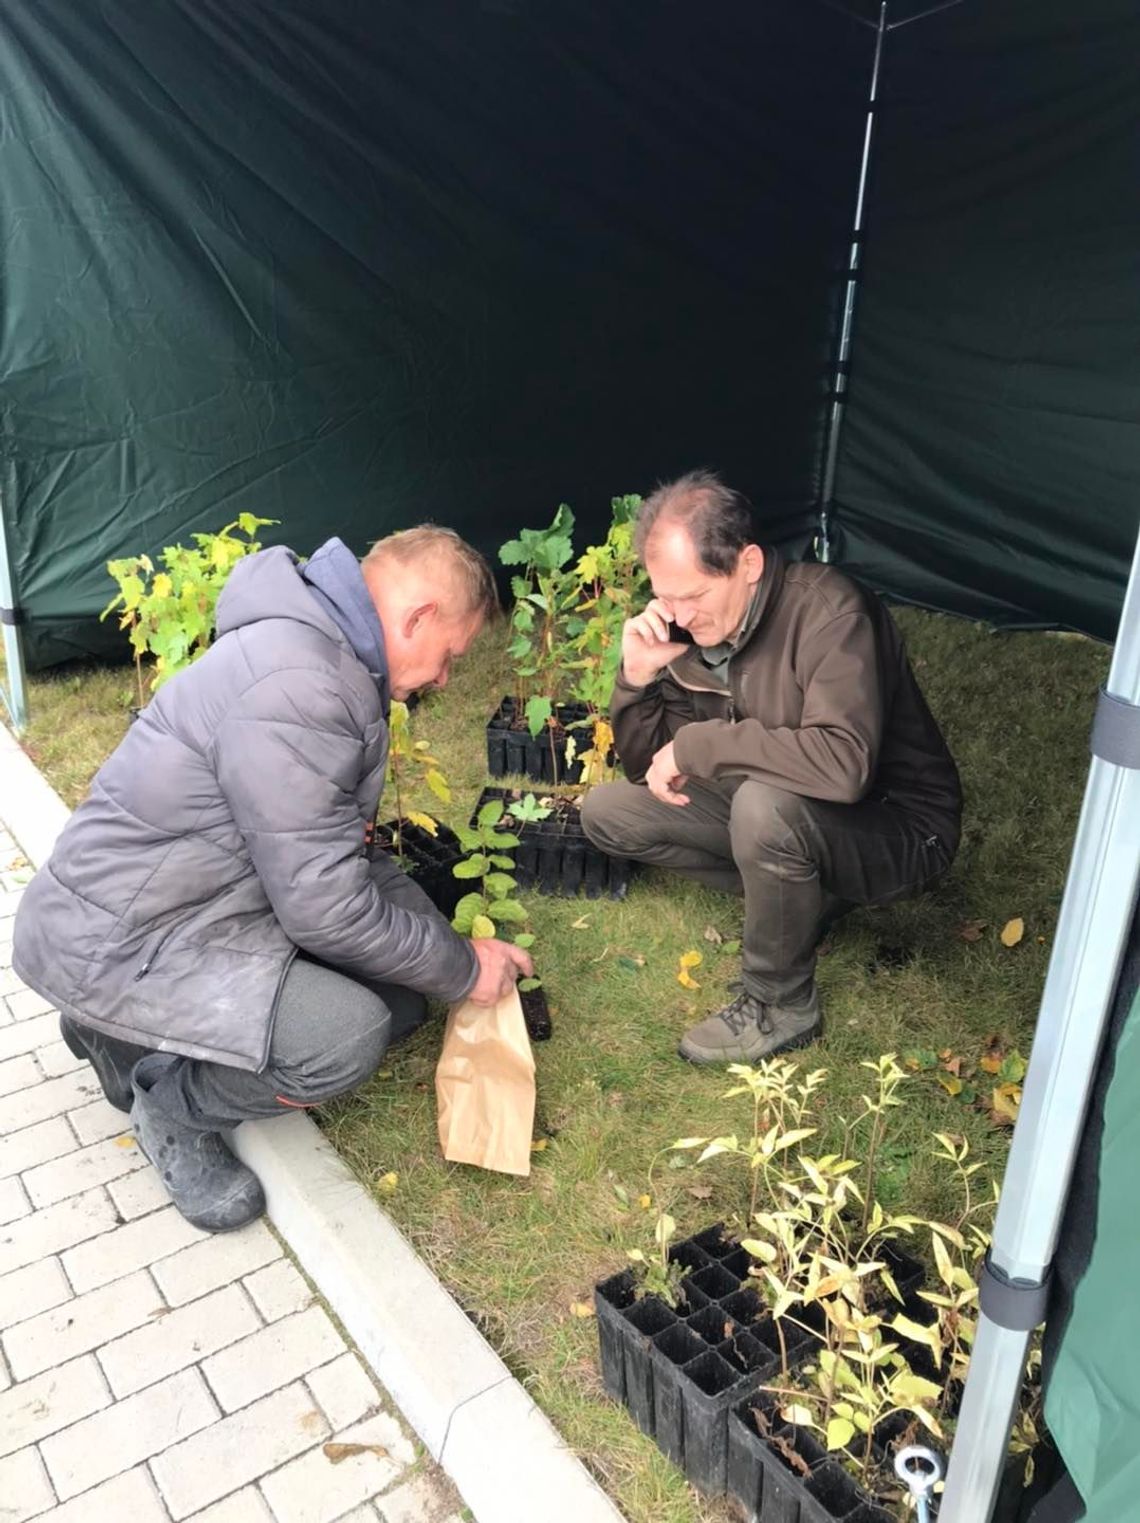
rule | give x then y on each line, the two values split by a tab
227	830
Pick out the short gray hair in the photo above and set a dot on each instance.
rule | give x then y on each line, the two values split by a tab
717	518
472	575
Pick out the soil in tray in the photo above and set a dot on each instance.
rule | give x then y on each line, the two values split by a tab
536	1014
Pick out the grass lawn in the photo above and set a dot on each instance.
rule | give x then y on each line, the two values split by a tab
1016	710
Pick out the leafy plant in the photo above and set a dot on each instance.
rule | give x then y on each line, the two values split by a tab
611	584
169	614
410	759
486	910
538	634
528	810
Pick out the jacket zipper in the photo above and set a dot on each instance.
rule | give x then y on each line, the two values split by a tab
145	965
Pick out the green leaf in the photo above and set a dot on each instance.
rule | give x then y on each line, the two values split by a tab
840	1432
525	985
500	884
496	859
491	813
465	911
507	912
471	867
525	939
538	711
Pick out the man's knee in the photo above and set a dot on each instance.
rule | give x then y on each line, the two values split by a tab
615	818
328	1040
766	818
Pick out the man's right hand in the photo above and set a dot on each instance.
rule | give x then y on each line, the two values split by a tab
645	644
500	965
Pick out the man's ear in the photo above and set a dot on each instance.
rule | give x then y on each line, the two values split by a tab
415	618
752	559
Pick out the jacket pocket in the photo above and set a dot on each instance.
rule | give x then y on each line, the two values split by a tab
153	949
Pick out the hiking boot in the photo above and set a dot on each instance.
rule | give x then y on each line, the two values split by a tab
747	1030
211	1187
111	1059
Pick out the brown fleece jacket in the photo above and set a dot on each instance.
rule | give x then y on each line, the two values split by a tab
820	700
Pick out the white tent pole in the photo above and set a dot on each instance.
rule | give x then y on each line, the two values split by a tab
839	381
1092	930
13	693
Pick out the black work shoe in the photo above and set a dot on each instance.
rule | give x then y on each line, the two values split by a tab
111	1059
747	1030
211	1187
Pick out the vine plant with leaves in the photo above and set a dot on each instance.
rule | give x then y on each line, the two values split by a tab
169	614
493	907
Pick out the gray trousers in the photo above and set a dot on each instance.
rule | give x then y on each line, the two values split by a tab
330	1033
799	862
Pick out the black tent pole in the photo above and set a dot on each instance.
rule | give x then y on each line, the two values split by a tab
839	381
13	694
1092	933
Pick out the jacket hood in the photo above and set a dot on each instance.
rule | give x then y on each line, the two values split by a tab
328	593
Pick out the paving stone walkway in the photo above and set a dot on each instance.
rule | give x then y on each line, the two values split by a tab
149	1372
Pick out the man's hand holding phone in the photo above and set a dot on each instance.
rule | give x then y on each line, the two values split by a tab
645	644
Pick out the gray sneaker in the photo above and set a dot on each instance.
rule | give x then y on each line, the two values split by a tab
208	1183
747	1030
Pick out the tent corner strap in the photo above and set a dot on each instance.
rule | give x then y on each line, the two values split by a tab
1115	735
12	616
1016	1305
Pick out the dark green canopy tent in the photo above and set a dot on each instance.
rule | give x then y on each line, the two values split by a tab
355	265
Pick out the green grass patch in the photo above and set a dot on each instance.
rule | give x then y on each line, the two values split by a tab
1016	710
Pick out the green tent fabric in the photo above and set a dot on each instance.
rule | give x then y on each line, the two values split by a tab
354	266
1092	1349
991	452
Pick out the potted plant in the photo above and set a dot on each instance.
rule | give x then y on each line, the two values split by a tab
843	1355
527	733
169	614
424	848
492	909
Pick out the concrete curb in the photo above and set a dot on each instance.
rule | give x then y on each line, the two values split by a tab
473	1416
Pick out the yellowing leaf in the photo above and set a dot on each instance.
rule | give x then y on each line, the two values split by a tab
424	821
162	586
124	1142
691	959
387	1183
952	1085
644	1201
438	785
539	1146
840	1432
580	924
581	1309
1012	931
686	980
1007	1101
482	926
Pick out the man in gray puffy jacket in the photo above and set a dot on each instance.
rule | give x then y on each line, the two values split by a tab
209	926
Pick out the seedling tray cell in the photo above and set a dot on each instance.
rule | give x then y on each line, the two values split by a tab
715	1282
554	855
676	1346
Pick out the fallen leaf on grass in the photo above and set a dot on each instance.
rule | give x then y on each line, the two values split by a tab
1012	931
1006	1103
539	1146
684	977
622	1194
700	1192
387	1183
581	1309
335	1453
972	930
581	924
631	963
950	1083
731	947
644	1201
713	935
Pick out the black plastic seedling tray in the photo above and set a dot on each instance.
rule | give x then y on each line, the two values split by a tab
512	751
428	859
554	855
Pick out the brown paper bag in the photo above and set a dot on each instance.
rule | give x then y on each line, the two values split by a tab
485	1087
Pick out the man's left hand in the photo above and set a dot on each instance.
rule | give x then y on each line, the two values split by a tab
664	780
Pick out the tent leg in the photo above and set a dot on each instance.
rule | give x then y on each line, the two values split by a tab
13	693
823	548
1092	933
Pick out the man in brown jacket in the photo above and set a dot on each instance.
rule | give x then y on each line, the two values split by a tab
776	744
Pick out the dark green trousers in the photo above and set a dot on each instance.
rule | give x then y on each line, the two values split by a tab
799	862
